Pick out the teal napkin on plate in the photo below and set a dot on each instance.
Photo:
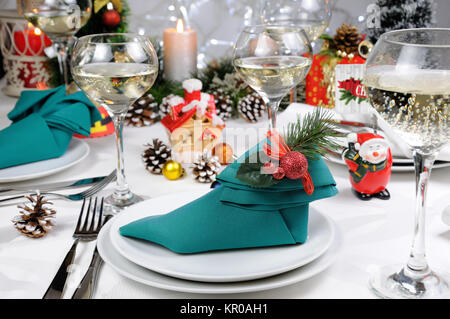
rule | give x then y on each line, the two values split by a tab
43	123
235	215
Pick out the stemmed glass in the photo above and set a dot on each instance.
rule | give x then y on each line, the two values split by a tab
59	20
272	59
311	15
114	70
408	83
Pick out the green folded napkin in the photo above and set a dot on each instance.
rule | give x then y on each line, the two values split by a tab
235	215
43	123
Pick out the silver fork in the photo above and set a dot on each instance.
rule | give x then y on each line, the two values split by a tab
86	230
77	196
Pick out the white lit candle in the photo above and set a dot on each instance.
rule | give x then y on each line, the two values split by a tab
180	53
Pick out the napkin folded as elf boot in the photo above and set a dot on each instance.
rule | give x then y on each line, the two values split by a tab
263	200
43	123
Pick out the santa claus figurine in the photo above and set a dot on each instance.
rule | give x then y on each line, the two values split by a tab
369	160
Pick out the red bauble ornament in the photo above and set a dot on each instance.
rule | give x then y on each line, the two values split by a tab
294	164
279	173
111	18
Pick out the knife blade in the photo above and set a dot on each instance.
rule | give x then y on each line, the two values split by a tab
51	186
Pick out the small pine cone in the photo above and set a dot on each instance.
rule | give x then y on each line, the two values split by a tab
164	107
252	107
143	112
156	155
35	220
206	168
224	104
347	39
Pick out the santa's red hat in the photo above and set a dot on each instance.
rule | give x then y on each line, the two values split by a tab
368	139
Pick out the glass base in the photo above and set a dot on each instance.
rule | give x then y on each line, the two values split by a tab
115	204
389	282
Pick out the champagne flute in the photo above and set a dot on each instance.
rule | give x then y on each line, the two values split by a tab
272	59
114	70
313	16
408	84
59	20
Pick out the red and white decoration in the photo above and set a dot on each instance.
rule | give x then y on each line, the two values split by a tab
192	122
369	160
22	46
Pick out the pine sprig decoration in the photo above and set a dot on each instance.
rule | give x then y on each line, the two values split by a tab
35	219
313	135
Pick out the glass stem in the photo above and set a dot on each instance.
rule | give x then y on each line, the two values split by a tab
61	47
121	190
272	112
417	263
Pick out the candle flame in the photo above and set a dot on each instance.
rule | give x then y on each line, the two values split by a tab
180	26
29	25
37	31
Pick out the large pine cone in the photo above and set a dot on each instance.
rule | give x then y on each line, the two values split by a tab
252	107
206	168
347	39
224	104
35	220
143	112
156	155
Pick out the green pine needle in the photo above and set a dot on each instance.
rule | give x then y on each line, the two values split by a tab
313	135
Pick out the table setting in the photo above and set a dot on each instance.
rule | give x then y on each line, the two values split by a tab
296	167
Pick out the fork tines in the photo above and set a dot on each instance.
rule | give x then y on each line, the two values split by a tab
91	219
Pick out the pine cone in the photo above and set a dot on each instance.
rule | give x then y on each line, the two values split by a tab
252	107
143	112
35	220
347	39
206	168
164	107
224	104
156	155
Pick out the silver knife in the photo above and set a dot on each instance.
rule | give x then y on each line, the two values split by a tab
50	186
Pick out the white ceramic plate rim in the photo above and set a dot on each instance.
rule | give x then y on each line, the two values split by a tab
406	168
56	164
267	269
150	278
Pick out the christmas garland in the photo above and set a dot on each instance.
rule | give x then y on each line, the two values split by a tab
308	138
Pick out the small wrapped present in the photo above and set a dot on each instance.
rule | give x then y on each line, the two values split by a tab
344	48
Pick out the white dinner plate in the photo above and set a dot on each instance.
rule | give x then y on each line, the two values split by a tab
76	152
142	275
217	266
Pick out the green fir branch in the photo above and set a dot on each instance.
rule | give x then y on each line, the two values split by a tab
313	135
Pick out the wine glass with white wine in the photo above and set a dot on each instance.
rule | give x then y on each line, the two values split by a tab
313	16
408	84
272	59
114	70
59	20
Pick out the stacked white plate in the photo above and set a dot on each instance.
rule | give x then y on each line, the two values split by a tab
229	271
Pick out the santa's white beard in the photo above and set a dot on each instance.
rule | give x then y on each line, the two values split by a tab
368	156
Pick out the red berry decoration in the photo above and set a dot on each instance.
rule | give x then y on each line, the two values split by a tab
269	168
111	18
294	164
279	173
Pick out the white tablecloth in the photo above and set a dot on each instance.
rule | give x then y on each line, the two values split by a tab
374	232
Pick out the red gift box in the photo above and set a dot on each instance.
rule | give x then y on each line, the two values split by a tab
319	87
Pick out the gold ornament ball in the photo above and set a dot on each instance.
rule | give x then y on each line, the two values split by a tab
172	170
